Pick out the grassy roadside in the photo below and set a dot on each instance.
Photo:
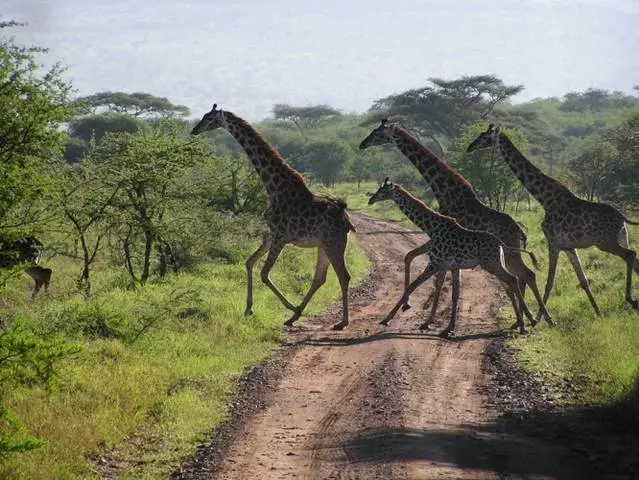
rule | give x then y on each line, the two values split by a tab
598	357
157	366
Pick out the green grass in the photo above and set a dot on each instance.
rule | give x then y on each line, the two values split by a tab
600	355
148	399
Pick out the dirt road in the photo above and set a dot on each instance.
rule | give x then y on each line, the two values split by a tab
388	403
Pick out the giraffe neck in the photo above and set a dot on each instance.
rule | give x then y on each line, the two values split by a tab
545	189
418	212
448	186
278	177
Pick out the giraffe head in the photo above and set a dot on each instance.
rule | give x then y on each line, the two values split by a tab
487	139
210	121
385	192
380	136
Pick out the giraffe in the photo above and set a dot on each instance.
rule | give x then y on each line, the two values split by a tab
569	222
451	247
457	199
294	215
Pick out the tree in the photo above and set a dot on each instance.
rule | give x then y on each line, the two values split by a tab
624	175
147	166
304	117
590	170
440	110
84	195
90	127
326	159
490	175
137	104
33	107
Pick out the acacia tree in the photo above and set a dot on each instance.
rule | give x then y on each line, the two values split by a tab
440	110
84	195
33	106
326	159
490	175
137	104
625	170
304	117
590	171
147	166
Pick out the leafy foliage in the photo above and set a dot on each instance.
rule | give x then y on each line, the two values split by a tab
441	109
33	107
304	117
491	176
25	359
136	104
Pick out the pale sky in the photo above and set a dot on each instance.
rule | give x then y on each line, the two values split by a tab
247	55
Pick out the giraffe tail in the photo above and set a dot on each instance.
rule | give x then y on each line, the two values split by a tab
533	258
522	232
349	224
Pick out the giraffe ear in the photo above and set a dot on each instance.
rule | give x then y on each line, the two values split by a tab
490	127
384	121
214	107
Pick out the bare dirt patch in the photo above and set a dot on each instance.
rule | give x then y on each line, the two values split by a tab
375	402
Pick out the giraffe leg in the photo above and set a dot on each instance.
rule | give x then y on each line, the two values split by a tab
622	239
583	281
262	249
516	305
439	283
318	280
430	270
410	256
513	293
453	314
273	254
336	256
525	276
630	257
553	258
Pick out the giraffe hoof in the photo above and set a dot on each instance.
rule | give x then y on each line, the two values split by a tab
248	311
425	326
447	334
514	326
523	331
340	326
634	304
406	306
385	322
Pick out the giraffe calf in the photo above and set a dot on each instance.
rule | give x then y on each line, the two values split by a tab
451	247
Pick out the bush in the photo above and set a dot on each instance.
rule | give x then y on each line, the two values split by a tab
25	360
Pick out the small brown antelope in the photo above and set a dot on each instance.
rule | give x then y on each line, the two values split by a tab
451	247
27	250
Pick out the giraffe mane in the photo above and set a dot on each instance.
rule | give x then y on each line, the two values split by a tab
423	204
270	150
422	148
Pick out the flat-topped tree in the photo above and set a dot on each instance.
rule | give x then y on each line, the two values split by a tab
294	215
450	247
457	199
569	222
